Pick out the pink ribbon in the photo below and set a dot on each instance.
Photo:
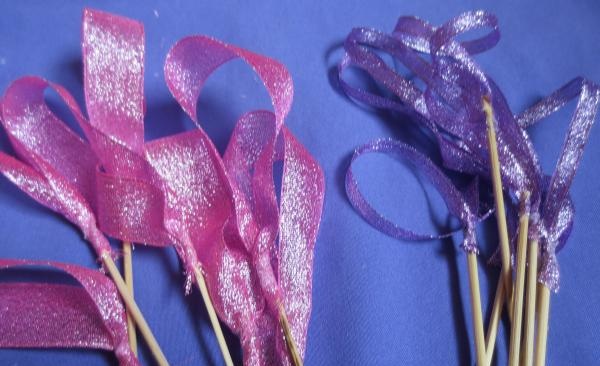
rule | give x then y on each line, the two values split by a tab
61	170
43	315
222	214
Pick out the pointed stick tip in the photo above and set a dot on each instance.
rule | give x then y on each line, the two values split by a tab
487	105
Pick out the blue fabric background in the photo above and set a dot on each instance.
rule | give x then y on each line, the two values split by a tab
376	301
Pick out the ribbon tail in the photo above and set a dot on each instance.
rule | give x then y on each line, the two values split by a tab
42	315
302	195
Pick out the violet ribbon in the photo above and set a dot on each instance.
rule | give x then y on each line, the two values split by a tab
463	205
450	107
43	315
555	219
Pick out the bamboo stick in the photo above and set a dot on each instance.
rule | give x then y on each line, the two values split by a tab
289	339
530	306
134	310
128	273
516	330
506	275
200	281
542	325
476	309
492	333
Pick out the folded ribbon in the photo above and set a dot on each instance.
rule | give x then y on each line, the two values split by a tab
225	210
42	315
463	205
450	107
269	251
68	174
221	214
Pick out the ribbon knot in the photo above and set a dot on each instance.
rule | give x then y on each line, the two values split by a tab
469	243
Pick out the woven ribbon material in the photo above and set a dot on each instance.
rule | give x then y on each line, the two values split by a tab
450	107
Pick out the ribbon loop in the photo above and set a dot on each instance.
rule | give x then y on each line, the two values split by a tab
450	107
456	202
191	61
113	70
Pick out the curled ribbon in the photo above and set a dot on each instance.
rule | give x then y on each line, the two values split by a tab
268	251
42	315
255	255
67	173
463	205
450	107
222	214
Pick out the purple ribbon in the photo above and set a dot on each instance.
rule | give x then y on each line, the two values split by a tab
463	205
450	106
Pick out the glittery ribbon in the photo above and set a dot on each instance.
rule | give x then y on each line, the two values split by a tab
222	214
43	315
463	205
56	167
262	256
71	175
554	223
254	254
450	106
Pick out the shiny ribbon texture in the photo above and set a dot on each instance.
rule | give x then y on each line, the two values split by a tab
261	257
449	106
463	205
43	315
224	215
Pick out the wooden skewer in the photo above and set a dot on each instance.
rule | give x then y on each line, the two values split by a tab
476	309
498	198
128	272
506	275
201	282
134	310
542	325
492	333
530	306
289	339
516	330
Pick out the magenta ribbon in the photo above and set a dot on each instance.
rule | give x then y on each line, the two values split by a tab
264	249
221	214
450	106
43	315
254	252
57	167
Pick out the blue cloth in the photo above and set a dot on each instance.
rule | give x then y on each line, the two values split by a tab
376	301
